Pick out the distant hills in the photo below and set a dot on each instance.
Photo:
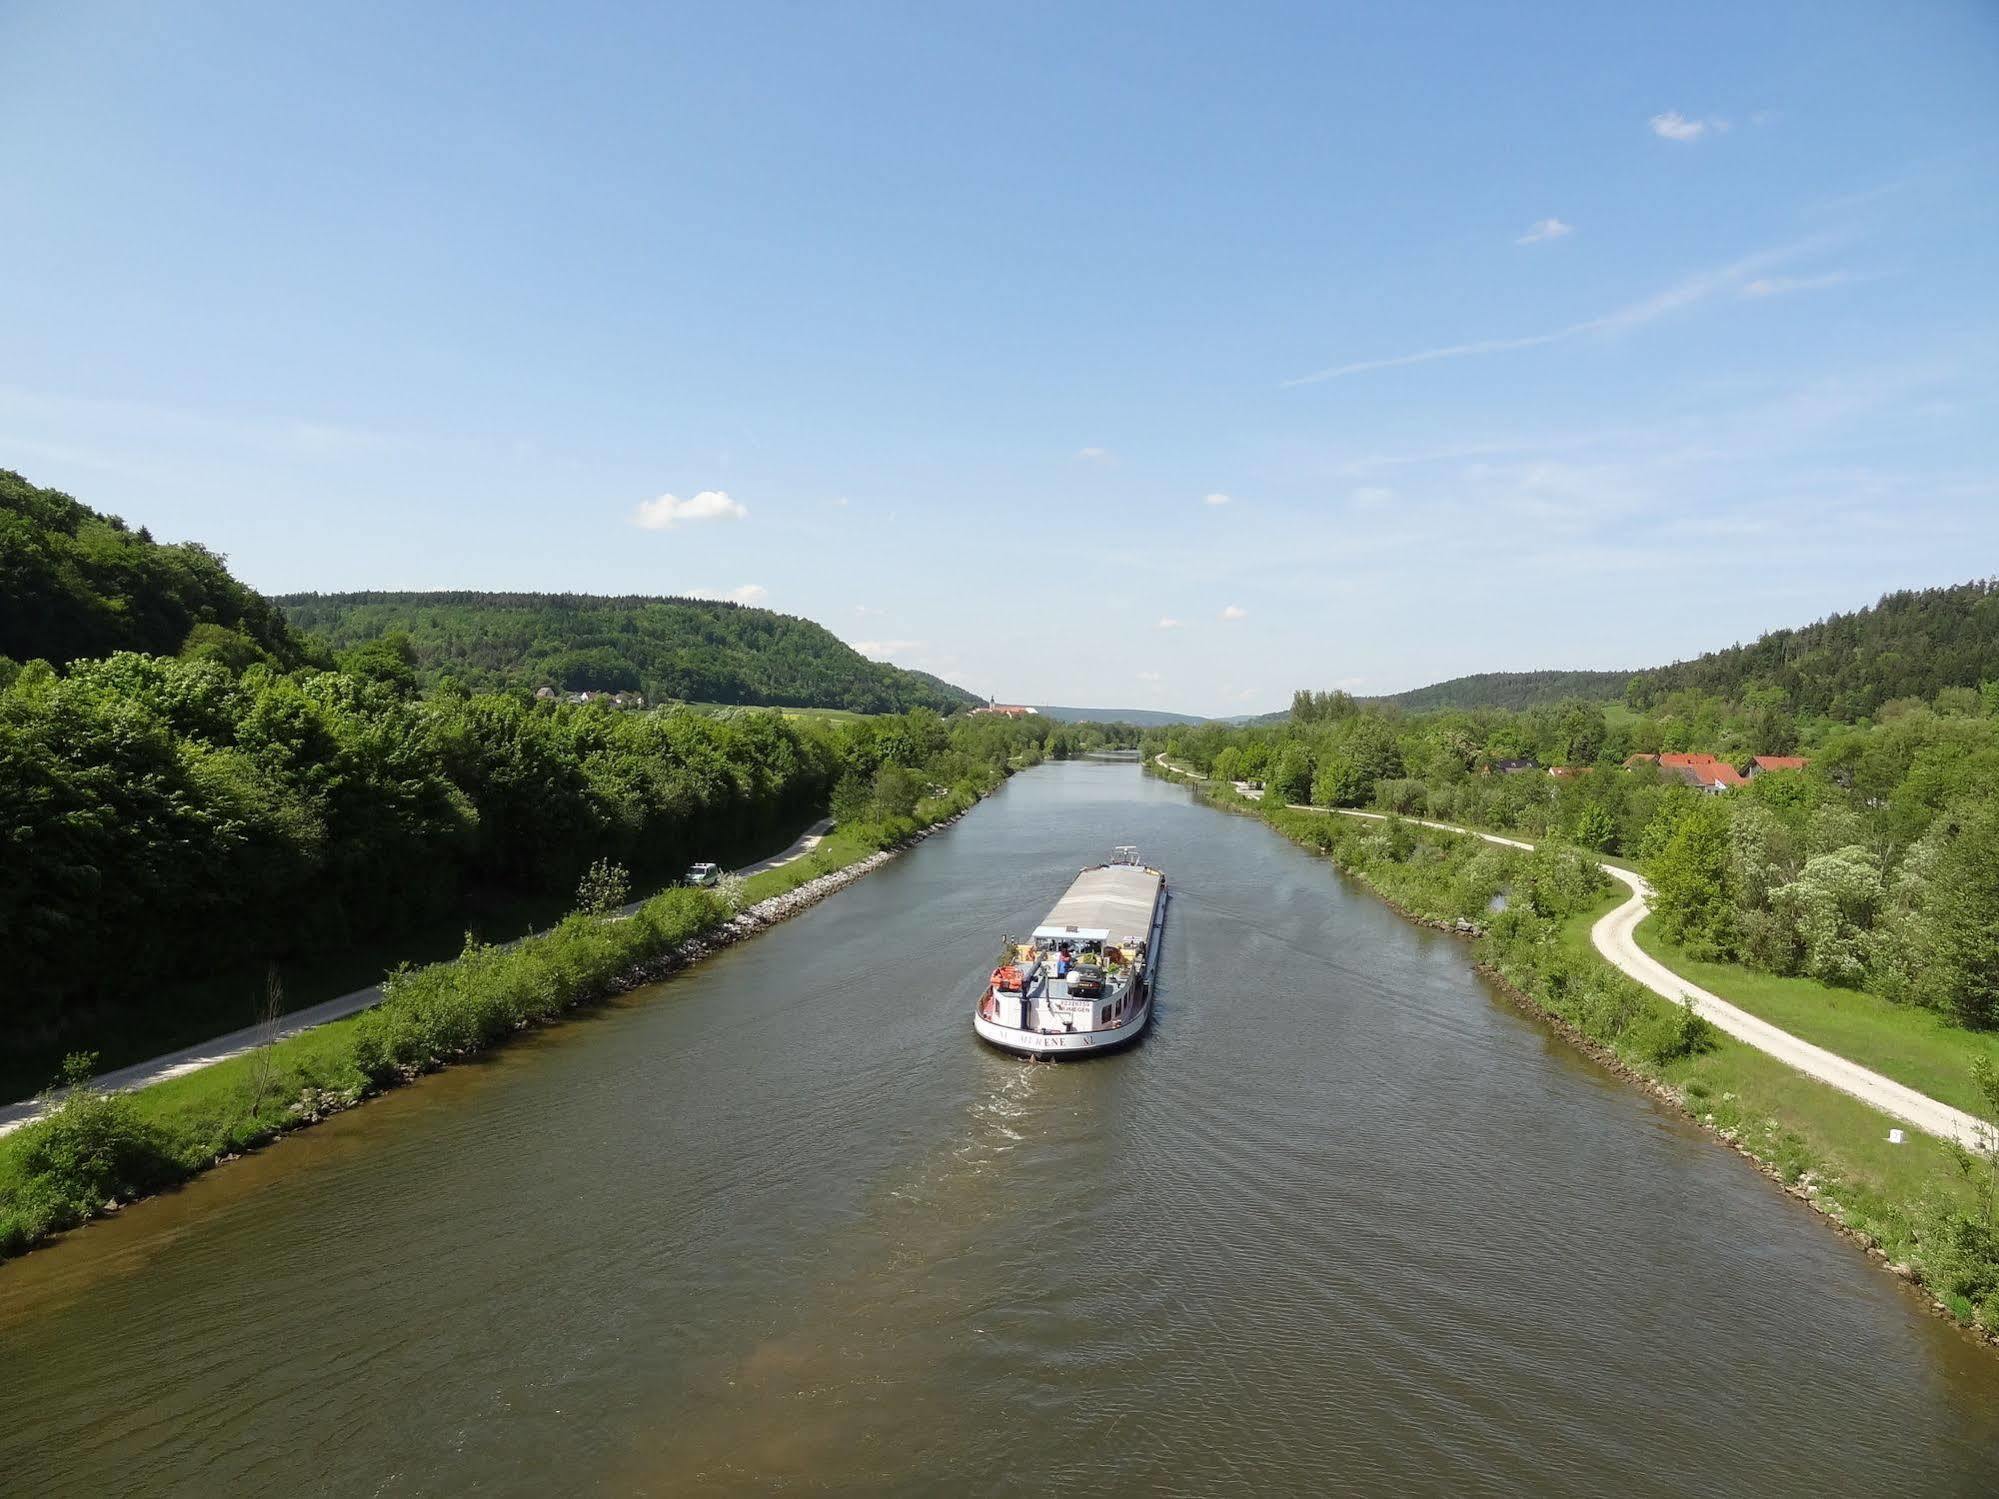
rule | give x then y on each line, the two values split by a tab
1910	644
697	650
1141	718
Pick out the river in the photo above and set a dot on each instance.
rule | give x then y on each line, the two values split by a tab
1346	1221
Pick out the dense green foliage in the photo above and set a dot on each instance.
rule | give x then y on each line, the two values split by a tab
74	583
164	819
1876	866
1913	644
693	650
1511	689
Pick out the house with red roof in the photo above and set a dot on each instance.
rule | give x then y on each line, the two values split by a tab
1702	772
1762	764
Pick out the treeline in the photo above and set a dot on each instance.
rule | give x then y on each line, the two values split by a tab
1511	689
75	583
1911	645
167	818
693	650
1877	864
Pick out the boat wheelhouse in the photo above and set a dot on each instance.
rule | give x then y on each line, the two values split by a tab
1083	981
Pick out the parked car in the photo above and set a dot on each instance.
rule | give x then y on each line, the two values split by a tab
703	875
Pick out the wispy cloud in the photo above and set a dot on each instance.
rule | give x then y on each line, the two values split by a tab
1371	496
1234	612
1169	623
1545	229
865	610
1093	455
1695	289
1674	126
668	511
1149	676
1778	286
1218	499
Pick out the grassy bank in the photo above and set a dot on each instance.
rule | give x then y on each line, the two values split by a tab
96	1151
1924	1207
1912	1045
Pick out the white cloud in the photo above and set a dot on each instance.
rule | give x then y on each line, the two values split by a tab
881	650
1093	455
1235	611
1695	289
1169	624
1674	126
1217	499
840	502
1149	676
1371	497
749	593
864	610
666	512
1545	229
1777	286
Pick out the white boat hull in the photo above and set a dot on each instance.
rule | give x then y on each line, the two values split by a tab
1062	1043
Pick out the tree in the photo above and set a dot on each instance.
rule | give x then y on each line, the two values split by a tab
605	887
1958	958
1596	828
1690	881
1291	781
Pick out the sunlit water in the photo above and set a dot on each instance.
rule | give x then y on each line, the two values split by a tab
1346	1221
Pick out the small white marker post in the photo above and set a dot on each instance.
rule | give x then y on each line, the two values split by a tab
1894	1137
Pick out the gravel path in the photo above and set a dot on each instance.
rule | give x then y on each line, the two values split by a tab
1613	937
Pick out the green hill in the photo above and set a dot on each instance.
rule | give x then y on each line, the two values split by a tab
76	583
1511	689
1911	644
698	650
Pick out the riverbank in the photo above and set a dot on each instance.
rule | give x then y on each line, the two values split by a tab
96	1152
1922	1208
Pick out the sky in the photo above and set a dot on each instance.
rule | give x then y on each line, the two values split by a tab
1160	356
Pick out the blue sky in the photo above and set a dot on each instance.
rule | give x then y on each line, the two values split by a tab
1135	356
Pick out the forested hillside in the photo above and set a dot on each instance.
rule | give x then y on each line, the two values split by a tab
77	583
695	650
1910	645
1512	690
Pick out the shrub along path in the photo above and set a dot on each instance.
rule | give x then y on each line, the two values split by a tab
1612	937
237	1043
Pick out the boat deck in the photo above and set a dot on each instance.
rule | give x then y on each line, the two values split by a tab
1114	902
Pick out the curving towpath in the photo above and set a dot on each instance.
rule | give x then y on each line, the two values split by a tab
220	1049
1613	937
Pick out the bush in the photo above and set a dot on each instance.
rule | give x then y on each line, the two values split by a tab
88	1149
605	886
1690	1034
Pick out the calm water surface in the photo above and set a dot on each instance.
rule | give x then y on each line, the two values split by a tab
1345	1222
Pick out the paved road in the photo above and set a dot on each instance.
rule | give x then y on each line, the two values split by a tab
1613	937
221	1048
